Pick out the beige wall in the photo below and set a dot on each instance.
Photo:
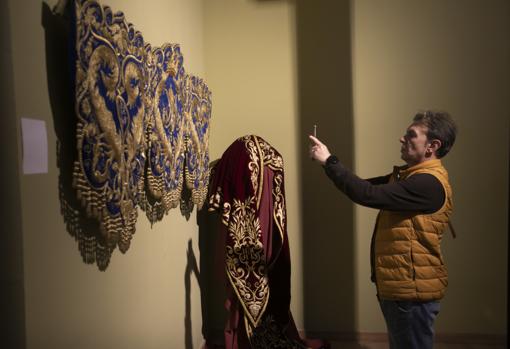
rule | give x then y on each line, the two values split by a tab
450	55
405	56
250	68
140	300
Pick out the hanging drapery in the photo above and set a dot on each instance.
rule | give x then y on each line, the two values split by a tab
247	190
143	124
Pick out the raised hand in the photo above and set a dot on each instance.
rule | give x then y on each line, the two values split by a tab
318	150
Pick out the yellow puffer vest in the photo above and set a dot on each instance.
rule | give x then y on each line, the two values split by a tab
406	253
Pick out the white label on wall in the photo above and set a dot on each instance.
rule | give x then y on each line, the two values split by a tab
35	146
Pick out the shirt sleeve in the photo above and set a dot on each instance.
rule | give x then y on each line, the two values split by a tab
379	180
421	193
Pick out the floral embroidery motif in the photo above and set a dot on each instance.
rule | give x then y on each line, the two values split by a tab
246	266
244	259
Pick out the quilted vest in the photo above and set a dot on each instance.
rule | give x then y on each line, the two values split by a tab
406	250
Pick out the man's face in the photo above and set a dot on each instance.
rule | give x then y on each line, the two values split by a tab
415	146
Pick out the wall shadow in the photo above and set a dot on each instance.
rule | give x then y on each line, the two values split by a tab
212	278
58	32
12	299
191	268
325	97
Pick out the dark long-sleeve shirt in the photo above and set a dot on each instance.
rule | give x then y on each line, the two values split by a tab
421	193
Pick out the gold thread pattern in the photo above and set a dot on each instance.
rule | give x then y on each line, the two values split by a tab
246	267
108	173
244	259
255	164
197	113
142	126
165	132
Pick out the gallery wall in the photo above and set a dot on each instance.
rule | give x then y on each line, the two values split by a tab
147	298
454	56
251	70
401	57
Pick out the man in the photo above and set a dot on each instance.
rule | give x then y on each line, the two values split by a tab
415	203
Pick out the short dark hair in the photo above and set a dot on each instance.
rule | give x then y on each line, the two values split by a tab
440	125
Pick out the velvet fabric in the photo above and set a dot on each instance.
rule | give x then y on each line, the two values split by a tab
247	190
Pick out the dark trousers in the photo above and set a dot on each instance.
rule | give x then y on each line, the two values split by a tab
410	324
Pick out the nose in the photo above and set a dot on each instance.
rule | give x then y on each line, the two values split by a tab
402	140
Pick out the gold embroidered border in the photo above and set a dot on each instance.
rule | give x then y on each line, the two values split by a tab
197	114
119	83
245	265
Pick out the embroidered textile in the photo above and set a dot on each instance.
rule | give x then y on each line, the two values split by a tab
165	155
197	111
247	190
143	124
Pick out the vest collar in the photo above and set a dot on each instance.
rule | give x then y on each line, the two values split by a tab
402	172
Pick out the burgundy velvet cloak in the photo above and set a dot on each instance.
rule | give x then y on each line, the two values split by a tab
247	190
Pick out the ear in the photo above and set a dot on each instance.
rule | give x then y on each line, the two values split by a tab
434	146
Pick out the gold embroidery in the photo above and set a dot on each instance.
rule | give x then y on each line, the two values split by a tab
166	134
279	204
261	154
245	266
216	199
271	156
134	140
254	165
197	113
226	213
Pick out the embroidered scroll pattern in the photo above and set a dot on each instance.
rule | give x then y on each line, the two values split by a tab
255	165
110	81
135	136
264	154
246	268
166	132
247	263
279	204
244	259
270	155
274	160
215	201
197	104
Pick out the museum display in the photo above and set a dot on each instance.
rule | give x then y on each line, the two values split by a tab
142	124
247	191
